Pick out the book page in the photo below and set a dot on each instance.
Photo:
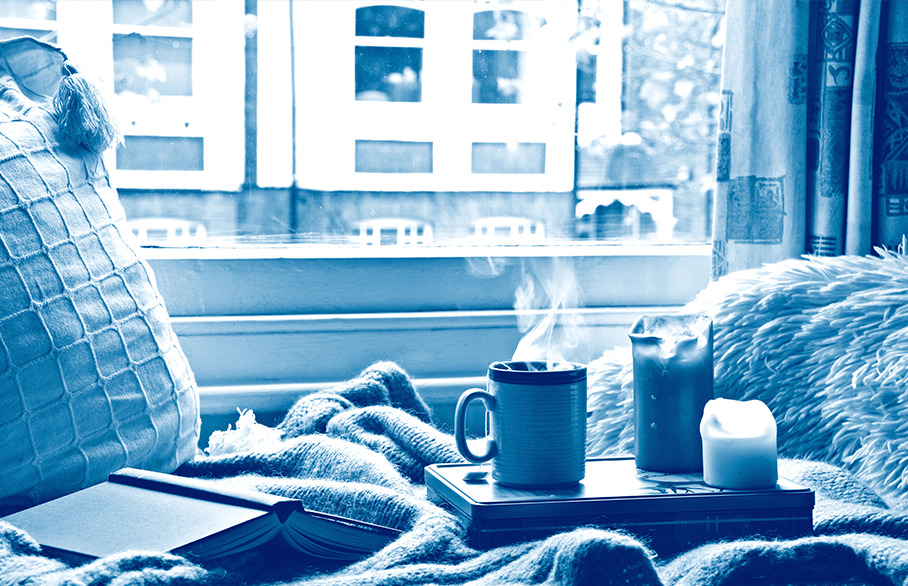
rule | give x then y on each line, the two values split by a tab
331	537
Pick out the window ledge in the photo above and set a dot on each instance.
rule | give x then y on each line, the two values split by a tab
291	280
313	251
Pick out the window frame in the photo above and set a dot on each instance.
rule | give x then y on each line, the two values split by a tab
171	115
388	43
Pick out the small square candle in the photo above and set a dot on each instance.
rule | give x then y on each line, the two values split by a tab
739	444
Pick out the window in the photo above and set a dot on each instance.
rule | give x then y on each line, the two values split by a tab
499	157
175	71
388	73
29	9
387	174
176	13
377	156
29	17
152	66
161	153
498	72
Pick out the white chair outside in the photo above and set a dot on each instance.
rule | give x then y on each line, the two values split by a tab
393	232
168	232
508	230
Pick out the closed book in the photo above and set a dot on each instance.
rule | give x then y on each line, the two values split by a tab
670	512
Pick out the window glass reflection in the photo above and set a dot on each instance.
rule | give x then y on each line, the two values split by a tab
393	156
153	12
499	157
389	74
161	153
501	25
389	21
41	35
152	66
496	76
29	9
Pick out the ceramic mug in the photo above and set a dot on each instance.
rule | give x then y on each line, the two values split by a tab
536	423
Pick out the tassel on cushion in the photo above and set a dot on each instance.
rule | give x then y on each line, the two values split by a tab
82	115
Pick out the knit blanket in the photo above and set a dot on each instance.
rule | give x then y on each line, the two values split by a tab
358	450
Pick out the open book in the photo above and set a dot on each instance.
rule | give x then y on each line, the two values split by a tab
151	511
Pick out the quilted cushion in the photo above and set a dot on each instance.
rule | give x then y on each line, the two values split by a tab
92	377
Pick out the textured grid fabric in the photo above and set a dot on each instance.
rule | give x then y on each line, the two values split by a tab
92	377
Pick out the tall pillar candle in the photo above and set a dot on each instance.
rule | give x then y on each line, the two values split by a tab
739	445
673	380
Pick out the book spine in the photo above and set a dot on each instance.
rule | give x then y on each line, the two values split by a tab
831	79
890	176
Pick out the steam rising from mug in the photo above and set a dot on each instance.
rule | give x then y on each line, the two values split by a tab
545	302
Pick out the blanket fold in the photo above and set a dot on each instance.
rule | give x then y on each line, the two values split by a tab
358	451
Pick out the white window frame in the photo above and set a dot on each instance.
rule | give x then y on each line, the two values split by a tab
326	157
217	40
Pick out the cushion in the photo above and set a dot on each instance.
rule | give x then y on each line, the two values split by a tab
92	377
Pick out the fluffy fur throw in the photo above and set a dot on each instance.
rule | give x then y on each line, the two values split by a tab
822	341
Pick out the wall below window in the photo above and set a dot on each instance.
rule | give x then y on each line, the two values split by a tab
265	363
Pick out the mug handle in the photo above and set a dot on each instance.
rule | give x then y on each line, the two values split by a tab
460	417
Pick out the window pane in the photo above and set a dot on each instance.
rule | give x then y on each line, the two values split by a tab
586	80
161	153
496	77
156	13
499	157
389	21
390	156
152	66
42	35
388	74
503	25
30	9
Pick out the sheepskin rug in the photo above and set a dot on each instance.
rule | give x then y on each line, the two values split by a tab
822	341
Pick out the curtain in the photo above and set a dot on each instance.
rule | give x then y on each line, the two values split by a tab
813	131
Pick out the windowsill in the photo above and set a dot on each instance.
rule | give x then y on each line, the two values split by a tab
312	251
298	280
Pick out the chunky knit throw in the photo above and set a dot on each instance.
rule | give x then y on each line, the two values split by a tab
357	457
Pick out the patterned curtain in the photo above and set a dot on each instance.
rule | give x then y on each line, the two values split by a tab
813	132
